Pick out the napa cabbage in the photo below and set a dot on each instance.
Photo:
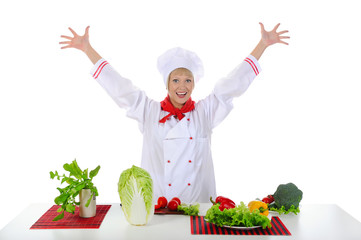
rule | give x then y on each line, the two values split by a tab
135	189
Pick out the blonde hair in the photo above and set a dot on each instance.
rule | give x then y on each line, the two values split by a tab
181	71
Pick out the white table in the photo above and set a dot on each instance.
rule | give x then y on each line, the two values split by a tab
314	222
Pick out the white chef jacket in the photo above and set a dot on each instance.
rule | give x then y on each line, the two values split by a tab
177	154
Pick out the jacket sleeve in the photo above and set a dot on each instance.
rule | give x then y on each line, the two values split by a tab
219	103
121	90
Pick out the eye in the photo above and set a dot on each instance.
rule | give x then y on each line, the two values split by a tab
188	80
175	80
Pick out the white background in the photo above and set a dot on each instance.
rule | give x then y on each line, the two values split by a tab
299	121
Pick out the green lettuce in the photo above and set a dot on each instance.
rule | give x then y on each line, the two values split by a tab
135	189
191	209
283	210
238	216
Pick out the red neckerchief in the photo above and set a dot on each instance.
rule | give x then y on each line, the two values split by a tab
168	107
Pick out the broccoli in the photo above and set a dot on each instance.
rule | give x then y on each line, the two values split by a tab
287	195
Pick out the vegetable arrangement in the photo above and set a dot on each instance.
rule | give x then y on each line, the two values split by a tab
77	181
135	189
285	200
175	205
224	212
240	215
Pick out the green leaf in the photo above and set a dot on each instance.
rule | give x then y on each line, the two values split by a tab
74	169
60	216
283	210
70	180
60	190
75	194
79	187
70	208
64	180
94	172
89	200
61	199
85	174
191	210
59	210
73	191
54	174
95	190
69	168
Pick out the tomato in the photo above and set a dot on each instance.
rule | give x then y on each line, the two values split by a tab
177	200
173	205
266	200
162	202
271	198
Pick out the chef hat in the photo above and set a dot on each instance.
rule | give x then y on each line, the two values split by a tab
180	58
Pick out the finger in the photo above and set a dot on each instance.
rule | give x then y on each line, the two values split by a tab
65	47
275	28
73	32
283	42
284	37
66	37
282	32
65	42
262	27
87	30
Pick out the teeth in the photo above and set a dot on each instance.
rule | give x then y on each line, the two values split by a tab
182	93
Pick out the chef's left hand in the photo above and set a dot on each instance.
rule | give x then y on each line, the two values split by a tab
272	37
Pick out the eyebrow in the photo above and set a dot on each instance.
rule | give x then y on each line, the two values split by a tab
178	76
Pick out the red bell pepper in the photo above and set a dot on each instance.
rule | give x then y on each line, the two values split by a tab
225	203
221	199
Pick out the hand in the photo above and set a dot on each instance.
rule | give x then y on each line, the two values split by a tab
272	37
78	42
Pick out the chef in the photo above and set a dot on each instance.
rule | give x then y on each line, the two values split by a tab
177	131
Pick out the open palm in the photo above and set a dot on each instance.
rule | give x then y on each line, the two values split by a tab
77	41
273	36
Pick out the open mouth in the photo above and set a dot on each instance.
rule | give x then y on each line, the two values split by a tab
181	94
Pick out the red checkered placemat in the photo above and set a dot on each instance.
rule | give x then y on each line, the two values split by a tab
70	220
200	226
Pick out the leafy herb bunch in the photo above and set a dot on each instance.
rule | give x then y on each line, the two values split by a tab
77	180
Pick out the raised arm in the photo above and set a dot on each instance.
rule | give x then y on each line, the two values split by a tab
82	43
268	39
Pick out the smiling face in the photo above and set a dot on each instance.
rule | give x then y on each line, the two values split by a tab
180	86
